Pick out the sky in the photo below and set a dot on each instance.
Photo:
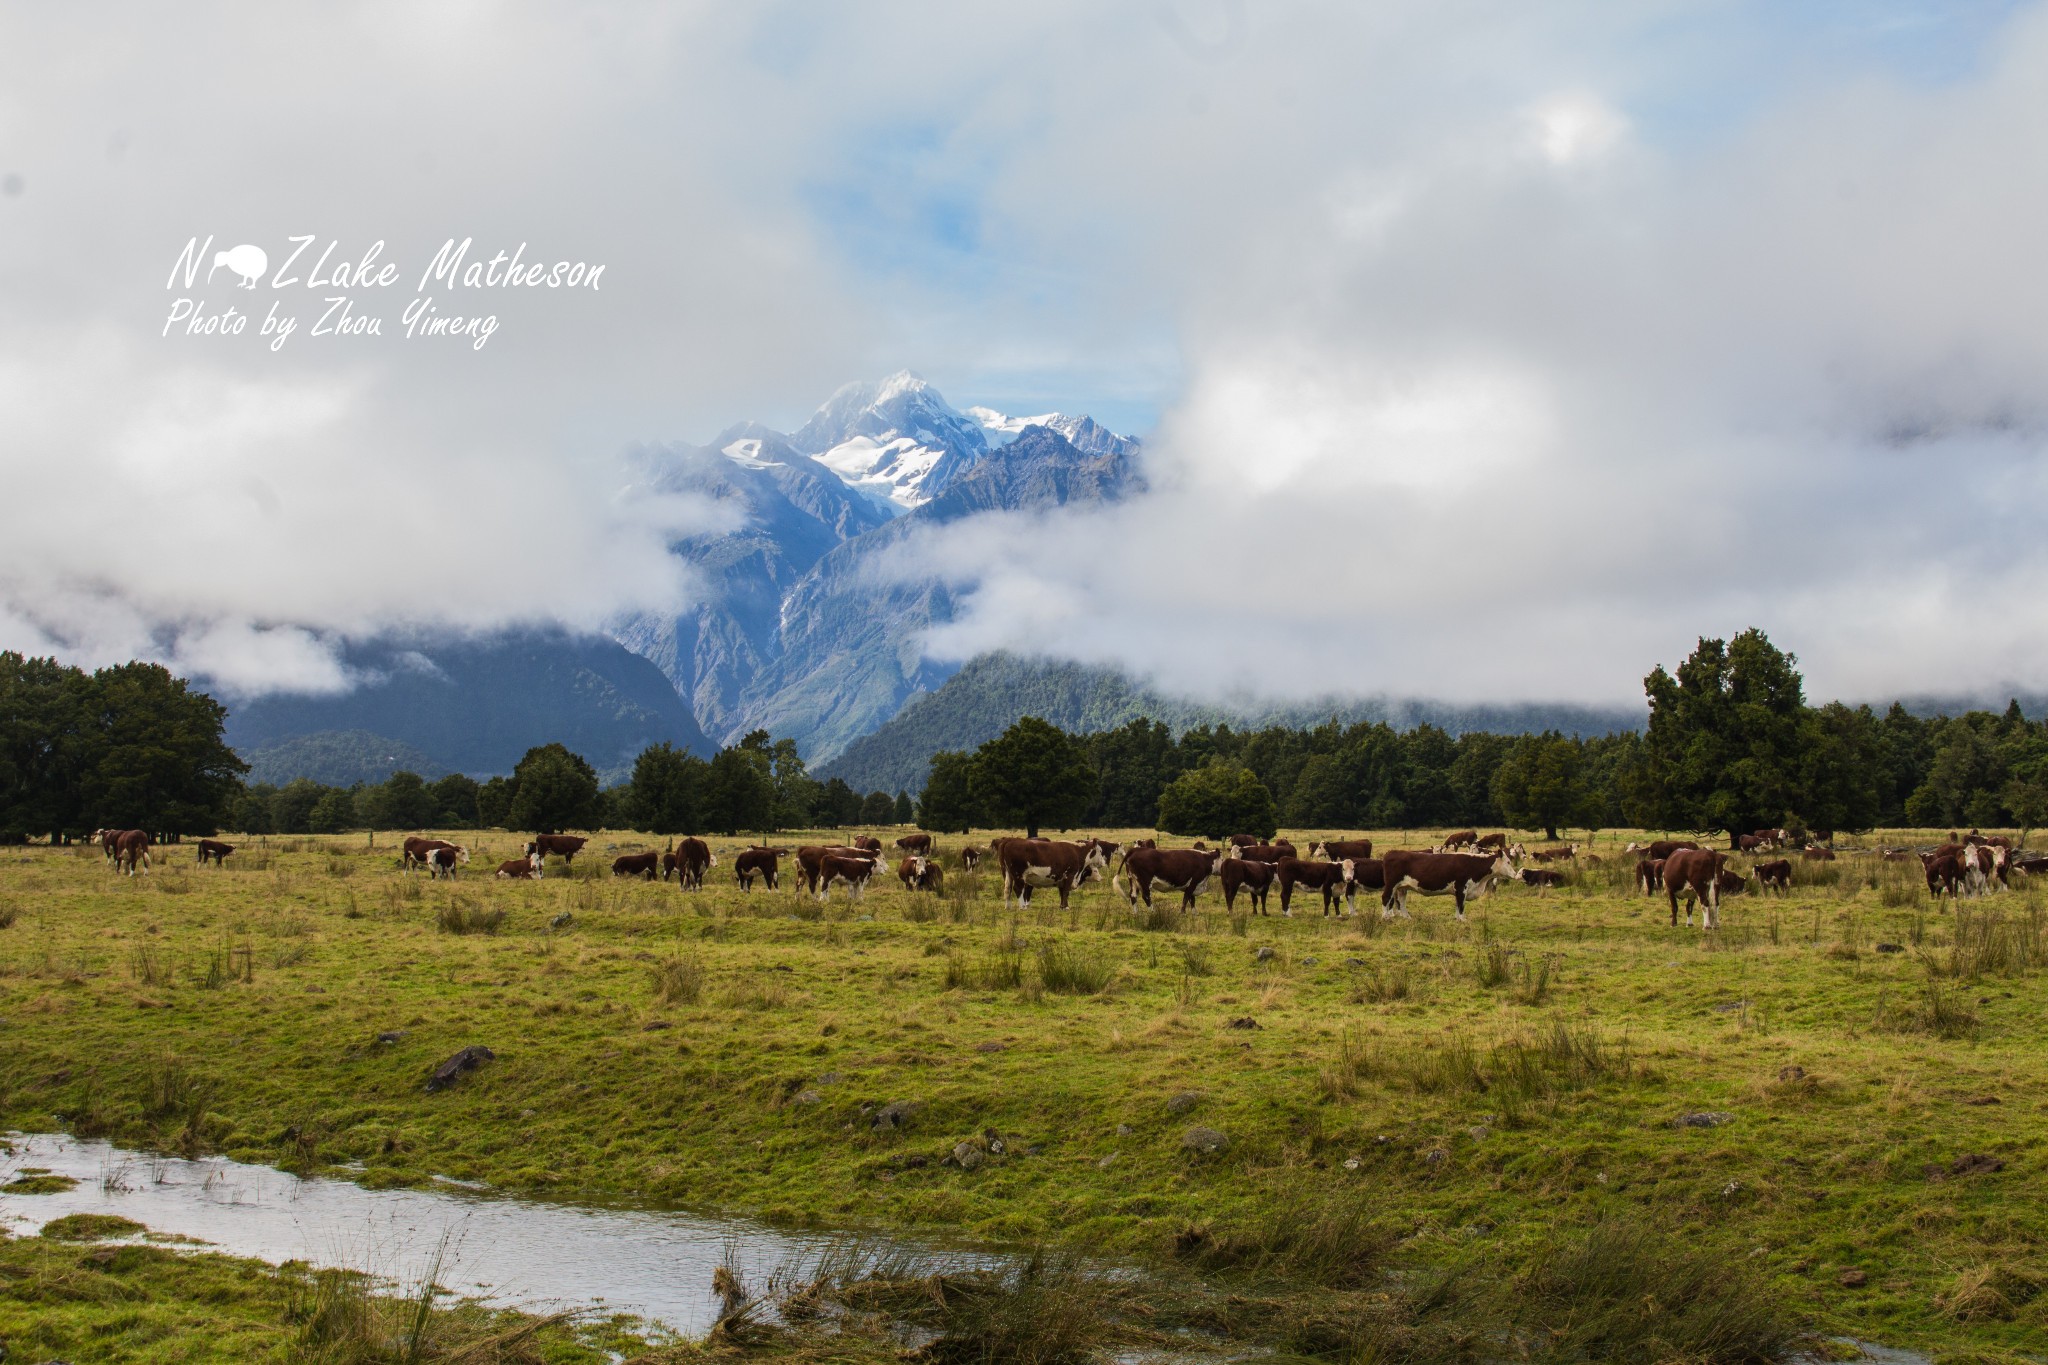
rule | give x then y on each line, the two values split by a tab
1483	351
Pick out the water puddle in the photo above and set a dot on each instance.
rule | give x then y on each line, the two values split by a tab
523	1253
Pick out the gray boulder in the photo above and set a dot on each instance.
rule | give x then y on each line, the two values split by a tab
1704	1119
1205	1140
469	1059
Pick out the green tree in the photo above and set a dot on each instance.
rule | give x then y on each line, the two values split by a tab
251	813
152	753
455	801
1132	765
739	791
878	809
553	790
1034	774
494	804
1216	801
1542	784
334	812
840	804
663	795
903	811
1725	737
797	793
948	802
402	801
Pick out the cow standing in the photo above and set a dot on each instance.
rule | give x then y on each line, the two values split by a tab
1698	873
758	862
646	865
1333	879
215	850
1663	848
1650	875
970	858
563	846
1461	876
418	846
1029	863
687	862
1253	878
854	871
1185	870
916	843
919	873
1334	850
1774	876
810	862
131	849
1267	853
1457	840
442	861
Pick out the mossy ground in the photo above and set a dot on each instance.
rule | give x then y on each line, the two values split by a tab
1488	1085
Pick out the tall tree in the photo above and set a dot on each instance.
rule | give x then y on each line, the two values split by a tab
948	802
1725	737
662	797
152	753
1034	774
1216	801
1542	784
739	791
553	790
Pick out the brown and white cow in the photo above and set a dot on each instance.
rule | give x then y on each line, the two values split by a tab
688	861
1662	848
1255	879
131	850
1334	850
646	865
919	873
215	850
417	846
1650	875
1491	843
1727	882
1245	840
442	861
1541	878
1697	872
757	862
1945	874
1461	876
520	869
1030	863
563	846
916	843
810	862
970	858
1266	853
1186	870
854	871
1333	879
1457	839
867	843
1744	843
1551	855
1774	876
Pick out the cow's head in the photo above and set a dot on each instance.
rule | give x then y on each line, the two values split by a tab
1094	860
1350	867
461	854
1633	847
917	866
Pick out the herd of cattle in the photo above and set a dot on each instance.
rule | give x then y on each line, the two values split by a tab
1338	869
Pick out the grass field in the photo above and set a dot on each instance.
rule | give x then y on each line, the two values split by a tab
1477	1095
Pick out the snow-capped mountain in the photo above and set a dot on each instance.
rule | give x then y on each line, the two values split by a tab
899	444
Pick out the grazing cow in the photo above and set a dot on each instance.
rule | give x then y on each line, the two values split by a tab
1491	843
970	858
810	861
1186	870
1744	843
867	843
131	850
1255	878
1245	840
646	865
1650	875
417	846
688	862
563	846
1698	872
1777	874
1541	878
1333	879
214	849
1551	855
1813	853
520	869
1944	875
105	838
916	843
1110	847
919	873
853	871
757	862
1333	850
1030	863
1457	840
1461	876
1266	853
1663	848
441	861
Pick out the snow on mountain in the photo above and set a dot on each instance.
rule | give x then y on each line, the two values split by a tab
897	441
1083	432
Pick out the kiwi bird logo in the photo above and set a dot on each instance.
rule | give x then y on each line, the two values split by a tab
247	261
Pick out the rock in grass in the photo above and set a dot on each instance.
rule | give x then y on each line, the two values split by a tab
1124	1130
1854	1279
1184	1101
469	1059
1891	947
892	1116
1704	1119
808	1097
1204	1140
393	1036
967	1156
1265	955
1106	1162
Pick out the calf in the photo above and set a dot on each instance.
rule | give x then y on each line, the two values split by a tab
442	861
919	873
520	869
1774	876
131	849
1029	863
757	862
1333	849
688	861
916	843
1461	876
214	849
1541	878
853	871
646	865
970	858
810	862
1186	870
1457	840
1696	871
563	846
1333	879
1944	875
1255	878
1650	875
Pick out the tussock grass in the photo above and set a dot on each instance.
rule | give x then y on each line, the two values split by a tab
458	916
678	979
1331	1241
1068	969
759	993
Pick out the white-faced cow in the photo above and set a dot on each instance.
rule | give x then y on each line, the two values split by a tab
563	846
1030	863
1333	879
1461	876
1186	870
919	873
1254	879
1774	876
1697	872
757	862
520	869
810	862
852	870
970	858
1336	850
417	846
442	861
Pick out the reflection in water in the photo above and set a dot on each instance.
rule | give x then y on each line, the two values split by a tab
518	1252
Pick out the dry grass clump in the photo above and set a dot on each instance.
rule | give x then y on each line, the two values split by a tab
1069	969
678	980
458	916
1382	983
753	993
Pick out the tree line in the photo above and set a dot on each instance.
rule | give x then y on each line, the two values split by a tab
1731	744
